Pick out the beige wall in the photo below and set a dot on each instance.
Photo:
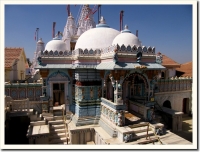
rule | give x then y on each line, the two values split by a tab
175	98
17	71
7	76
21	67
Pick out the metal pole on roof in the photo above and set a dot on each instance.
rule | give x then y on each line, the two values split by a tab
37	29
99	13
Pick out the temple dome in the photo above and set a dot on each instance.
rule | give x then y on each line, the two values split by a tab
56	45
126	38
100	37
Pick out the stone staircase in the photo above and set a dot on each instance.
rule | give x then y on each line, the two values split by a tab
57	129
140	133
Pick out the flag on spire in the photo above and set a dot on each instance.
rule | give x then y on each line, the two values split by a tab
95	11
91	12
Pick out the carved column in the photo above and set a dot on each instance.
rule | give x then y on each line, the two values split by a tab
66	97
102	88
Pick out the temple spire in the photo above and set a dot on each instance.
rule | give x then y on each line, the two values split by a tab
86	20
70	27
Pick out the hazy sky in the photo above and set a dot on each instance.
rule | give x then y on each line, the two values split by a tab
166	27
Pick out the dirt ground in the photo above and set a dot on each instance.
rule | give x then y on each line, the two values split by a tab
186	132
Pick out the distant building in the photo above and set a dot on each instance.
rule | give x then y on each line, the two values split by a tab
185	70
170	65
15	64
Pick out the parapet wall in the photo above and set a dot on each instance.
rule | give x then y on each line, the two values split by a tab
19	91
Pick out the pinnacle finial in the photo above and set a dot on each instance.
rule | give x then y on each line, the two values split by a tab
126	27
102	20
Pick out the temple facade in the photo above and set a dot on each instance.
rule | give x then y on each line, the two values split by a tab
101	75
105	65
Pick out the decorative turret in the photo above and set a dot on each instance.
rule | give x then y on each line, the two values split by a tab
70	28
40	45
39	49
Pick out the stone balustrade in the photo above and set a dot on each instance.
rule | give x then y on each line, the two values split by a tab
113	112
174	85
24	104
19	91
109	113
113	105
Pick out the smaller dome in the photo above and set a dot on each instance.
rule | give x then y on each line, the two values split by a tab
56	45
126	38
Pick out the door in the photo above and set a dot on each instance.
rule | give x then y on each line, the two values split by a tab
185	107
58	94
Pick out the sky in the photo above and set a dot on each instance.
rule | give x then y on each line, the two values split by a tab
168	28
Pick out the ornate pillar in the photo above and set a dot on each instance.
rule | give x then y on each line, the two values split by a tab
66	97
116	118
51	89
103	87
72	93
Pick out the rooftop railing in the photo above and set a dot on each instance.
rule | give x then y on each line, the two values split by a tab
177	84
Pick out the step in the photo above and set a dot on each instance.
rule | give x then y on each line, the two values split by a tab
58	141
57	135
142	135
58	126
146	141
59	117
54	122
140	129
48	118
57	113
57	130
47	114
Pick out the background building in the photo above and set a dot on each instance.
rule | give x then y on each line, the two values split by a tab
15	64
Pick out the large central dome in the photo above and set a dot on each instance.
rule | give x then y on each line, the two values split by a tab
100	37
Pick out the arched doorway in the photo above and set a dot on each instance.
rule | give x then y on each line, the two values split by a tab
167	104
135	86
